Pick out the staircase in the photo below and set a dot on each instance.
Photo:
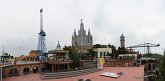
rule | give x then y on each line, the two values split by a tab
58	75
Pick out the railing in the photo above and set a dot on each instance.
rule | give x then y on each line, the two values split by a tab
19	62
5	64
59	62
27	62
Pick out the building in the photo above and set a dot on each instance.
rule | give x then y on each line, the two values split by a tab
102	55
121	48
33	56
6	58
103	52
21	58
122	41
58	54
58	59
82	41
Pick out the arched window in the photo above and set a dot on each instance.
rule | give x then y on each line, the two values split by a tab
35	69
153	66
149	67
26	71
43	68
13	72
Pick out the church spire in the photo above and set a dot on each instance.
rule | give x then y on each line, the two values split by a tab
89	32
81	26
122	36
58	45
74	32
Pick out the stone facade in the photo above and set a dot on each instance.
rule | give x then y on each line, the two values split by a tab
81	40
22	69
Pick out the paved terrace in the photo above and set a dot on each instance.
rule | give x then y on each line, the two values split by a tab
130	74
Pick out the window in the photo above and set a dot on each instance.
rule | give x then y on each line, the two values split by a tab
153	66
101	54
149	67
104	53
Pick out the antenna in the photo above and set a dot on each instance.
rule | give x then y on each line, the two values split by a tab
41	21
3	51
144	42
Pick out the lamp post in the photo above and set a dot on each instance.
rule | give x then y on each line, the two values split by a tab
1	73
1	68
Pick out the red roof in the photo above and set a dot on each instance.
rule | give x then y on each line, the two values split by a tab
130	74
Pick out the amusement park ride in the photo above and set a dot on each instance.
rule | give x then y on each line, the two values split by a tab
148	45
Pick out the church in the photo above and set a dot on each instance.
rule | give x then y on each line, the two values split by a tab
82	41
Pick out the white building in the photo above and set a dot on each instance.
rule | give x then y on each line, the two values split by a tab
102	52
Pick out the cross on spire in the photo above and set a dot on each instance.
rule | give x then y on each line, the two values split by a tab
81	26
81	20
41	10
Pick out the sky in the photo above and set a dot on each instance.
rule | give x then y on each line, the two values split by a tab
139	20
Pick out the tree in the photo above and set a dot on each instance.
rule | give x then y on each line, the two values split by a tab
122	50
162	68
161	76
114	51
91	53
97	46
74	56
75	60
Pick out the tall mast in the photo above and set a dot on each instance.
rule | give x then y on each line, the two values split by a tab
3	51
41	39
41	21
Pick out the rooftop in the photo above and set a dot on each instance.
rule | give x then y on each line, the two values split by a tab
130	74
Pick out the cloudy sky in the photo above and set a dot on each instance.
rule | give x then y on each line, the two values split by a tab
138	20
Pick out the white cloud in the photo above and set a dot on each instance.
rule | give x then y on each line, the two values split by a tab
107	19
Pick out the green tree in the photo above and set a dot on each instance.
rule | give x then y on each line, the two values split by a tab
75	60
97	46
162	68
161	76
122	50
91	53
114	51
74	56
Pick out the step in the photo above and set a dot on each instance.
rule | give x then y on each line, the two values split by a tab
68	74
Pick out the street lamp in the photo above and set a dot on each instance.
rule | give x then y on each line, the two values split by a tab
1	73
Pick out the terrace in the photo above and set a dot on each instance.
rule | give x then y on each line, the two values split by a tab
129	74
